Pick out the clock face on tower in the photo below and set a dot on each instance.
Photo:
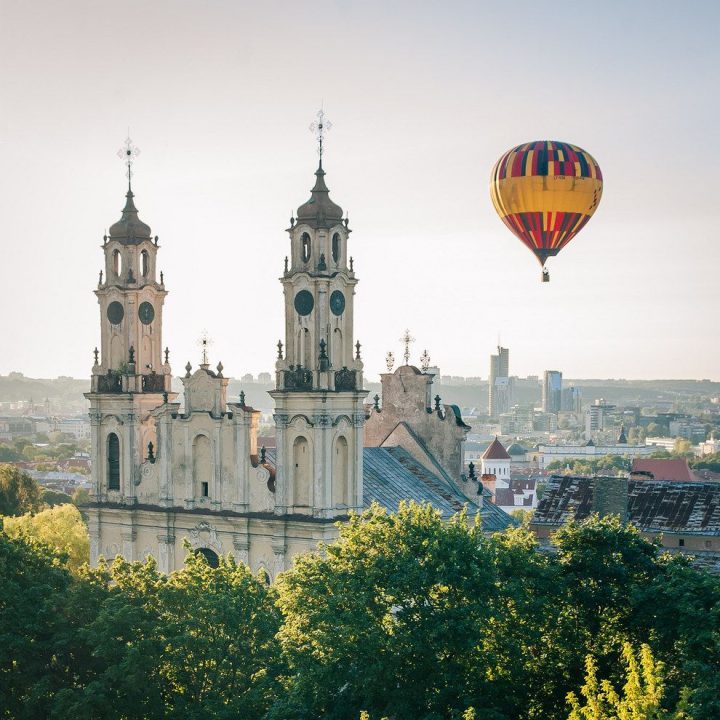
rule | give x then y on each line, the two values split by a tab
304	302
115	312
337	303
146	313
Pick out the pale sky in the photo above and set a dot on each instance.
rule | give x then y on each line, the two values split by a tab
423	97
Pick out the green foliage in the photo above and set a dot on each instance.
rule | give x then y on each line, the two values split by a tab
682	448
198	643
603	465
42	608
640	698
81	496
390	619
9	454
707	462
61	528
408	616
19	493
51	498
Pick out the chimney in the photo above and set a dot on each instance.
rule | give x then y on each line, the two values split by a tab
488	482
610	496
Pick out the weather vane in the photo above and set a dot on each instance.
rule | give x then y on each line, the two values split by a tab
425	361
407	338
205	342
319	128
128	153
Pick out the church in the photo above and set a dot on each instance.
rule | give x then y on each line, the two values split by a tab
166	471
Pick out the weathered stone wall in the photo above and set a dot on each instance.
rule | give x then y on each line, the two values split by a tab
406	398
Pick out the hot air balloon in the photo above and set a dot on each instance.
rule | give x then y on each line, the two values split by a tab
545	192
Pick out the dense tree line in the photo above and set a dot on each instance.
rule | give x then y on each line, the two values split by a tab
407	616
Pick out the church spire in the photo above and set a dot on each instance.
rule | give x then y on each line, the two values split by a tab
129	229
320	211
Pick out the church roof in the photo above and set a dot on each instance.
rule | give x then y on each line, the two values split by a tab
130	229
496	451
320	211
391	475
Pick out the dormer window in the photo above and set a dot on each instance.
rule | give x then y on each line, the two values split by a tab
305	248
336	247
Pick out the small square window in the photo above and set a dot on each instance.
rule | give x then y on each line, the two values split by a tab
681	541
708	543
205	489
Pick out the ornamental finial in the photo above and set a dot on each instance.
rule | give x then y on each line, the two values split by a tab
425	361
390	361
319	128
205	342
407	338
128	153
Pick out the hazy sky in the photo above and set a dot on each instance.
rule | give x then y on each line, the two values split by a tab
423	97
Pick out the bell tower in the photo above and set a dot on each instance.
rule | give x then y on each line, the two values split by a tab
319	386
131	375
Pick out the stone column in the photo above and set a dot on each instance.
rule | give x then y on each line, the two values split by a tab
281	476
128	544
166	553
241	546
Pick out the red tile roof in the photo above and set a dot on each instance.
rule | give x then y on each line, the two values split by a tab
668	469
496	451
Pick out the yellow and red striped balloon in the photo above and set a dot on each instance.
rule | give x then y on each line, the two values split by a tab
545	192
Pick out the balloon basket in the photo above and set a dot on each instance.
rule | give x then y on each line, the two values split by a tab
545	275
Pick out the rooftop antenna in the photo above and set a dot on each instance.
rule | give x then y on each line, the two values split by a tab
319	128
128	152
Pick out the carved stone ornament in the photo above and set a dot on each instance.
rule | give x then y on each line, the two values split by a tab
262	474
281	419
205	535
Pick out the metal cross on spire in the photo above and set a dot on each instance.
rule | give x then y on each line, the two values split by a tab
128	153
319	128
205	342
407	338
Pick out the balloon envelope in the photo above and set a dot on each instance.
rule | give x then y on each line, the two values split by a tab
545	192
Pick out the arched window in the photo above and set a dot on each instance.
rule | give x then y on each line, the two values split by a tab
301	473
116	262
113	462
144	263
305	249
336	247
202	466
211	557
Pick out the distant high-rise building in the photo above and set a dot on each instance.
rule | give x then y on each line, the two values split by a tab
552	391
499	385
571	400
595	417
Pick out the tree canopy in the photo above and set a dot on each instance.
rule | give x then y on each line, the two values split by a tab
408	616
19	493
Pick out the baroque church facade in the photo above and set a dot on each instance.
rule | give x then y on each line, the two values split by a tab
165	471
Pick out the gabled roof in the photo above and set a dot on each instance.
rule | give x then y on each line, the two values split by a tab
391	475
665	469
496	451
